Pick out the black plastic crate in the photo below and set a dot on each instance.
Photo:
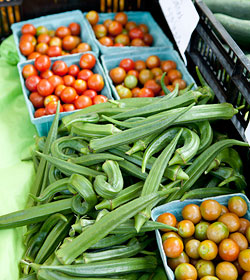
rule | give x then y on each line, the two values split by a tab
10	12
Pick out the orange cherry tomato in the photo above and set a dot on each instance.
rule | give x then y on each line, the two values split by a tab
167	219
121	17
153	61
100	99
210	209
246	276
185	271
208	250
68	107
231	220
191	212
50	108
29	70
68	80
49	99
185	228
59	89
73	70
39	113
46	74
26	47
240	239
244	259
96	82
83	47
229	250
83	101
226	271
173	247
68	95
80	86
244	224
167	65
54	51
115	28
92	17
237	205
33	55
62	31
42	48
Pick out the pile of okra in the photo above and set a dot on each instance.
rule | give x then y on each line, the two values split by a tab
101	170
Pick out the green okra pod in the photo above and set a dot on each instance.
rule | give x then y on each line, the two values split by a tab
110	185
82	118
132	169
163	86
175	172
54	174
31	276
152	183
91	159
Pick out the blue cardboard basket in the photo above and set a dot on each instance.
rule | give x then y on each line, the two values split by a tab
111	61
160	39
175	207
53	22
43	123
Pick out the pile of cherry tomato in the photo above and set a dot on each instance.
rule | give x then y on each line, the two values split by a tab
119	31
76	86
62	41
143	78
212	241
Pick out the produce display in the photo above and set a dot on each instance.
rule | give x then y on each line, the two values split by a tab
212	241
76	86
149	78
101	171
41	41
120	32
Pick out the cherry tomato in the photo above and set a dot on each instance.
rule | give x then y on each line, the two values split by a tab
26	47
80	86
54	51
83	101
118	45
140	65
217	232
45	88
43	38
100	99
146	92
62	31
170	87
100	30
226	271
130	81
42	63
205	268
123	92
191	248
96	82
130	25
229	250
167	219
29	70
29	38
244	223
73	70
68	80
107	22
153	61
169	234
69	43
224	210
173	247
151	84
135	92
115	28
68	107
135	33
28	29
244	259
231	220
121	17
240	239
56	80
49	99
201	230
185	228
42	48
174	262
117	75
237	205
185	271
41	30
208	277
145	75
92	17
60	68
59	89
246	276
143	27
87	61
33	55
210	209
127	64
156	71
50	109
39	113
85	74
106	41
167	65
208	250
90	93
148	39
122	39
32	82
68	95
137	42
46	74
83	47
191	212
158	79
182	84
134	72
74	28
174	74
55	41
36	99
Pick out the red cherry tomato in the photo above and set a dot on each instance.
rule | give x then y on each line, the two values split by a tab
31	82
50	98
115	28
74	28
45	88
28	29
96	82
42	63
90	93
39	113
73	70
29	70
100	99
118	45
80	86
68	80
82	102
36	99
26	47
42	48
136	33
146	92
134	72
56	80
68	107
46	74
85	74
59	90
54	51
29	38
127	64
50	109
34	55
43	38
62	31
60	68
87	61
68	95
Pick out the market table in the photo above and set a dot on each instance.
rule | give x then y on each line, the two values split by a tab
17	137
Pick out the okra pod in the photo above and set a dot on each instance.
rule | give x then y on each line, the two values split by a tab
163	86
133	134
175	172
153	180
82	118
132	169
91	159
206	135
31	276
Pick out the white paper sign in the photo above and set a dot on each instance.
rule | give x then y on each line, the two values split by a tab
247	133
182	19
